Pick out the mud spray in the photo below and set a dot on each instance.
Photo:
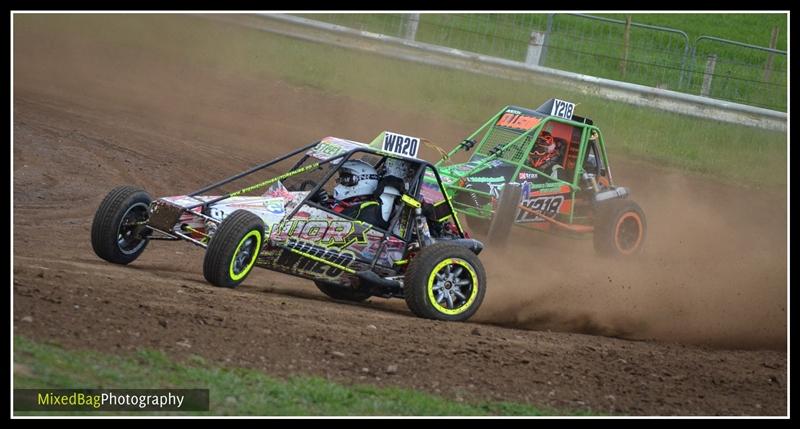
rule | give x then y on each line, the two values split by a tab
713	272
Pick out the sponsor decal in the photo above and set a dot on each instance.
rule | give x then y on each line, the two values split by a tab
329	233
274	206
548	205
393	249
486	179
523	175
528	189
298	263
400	144
517	121
275	179
562	109
277	190
330	147
269	209
319	248
495	184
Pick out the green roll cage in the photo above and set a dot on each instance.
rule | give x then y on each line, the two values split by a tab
523	143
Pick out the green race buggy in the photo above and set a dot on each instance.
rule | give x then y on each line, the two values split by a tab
498	186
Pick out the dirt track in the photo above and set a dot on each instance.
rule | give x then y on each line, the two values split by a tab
706	306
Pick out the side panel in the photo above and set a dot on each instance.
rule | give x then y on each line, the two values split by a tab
555	202
488	181
299	245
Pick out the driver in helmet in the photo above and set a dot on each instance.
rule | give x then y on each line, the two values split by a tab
547	154
354	194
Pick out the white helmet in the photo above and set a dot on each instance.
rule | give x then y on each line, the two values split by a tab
356	179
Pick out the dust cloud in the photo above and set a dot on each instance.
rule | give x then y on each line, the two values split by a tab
713	272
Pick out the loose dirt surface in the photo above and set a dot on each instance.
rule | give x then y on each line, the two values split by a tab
695	326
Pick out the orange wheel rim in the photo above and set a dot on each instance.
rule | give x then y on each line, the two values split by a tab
628	233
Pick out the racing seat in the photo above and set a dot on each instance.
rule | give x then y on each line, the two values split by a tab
390	189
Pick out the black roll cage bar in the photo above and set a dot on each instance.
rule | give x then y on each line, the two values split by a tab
345	156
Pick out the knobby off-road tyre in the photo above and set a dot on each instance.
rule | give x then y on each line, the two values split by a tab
233	250
118	232
620	228
445	282
505	215
343	293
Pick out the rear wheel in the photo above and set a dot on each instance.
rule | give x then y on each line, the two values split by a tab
119	234
445	282
620	228
343	293
233	250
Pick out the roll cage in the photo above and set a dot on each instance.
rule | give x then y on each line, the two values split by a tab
415	184
514	151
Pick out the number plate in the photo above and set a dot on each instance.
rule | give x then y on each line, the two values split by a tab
562	109
400	144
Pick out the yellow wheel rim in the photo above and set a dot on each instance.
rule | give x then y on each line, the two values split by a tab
253	256
445	286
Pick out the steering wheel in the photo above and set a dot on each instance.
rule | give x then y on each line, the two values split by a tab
321	197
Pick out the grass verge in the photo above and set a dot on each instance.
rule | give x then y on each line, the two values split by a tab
232	391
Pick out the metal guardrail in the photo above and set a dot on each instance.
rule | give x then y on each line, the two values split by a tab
622	50
412	50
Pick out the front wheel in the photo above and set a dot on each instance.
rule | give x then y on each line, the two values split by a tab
233	250
445	282
619	229
119	234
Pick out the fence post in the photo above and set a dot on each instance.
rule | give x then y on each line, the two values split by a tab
546	40
625	47
535	46
708	75
772	44
683	64
410	25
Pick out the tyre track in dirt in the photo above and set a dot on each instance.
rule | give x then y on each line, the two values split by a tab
74	142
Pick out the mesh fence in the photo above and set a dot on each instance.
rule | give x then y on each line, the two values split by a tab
616	49
720	69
